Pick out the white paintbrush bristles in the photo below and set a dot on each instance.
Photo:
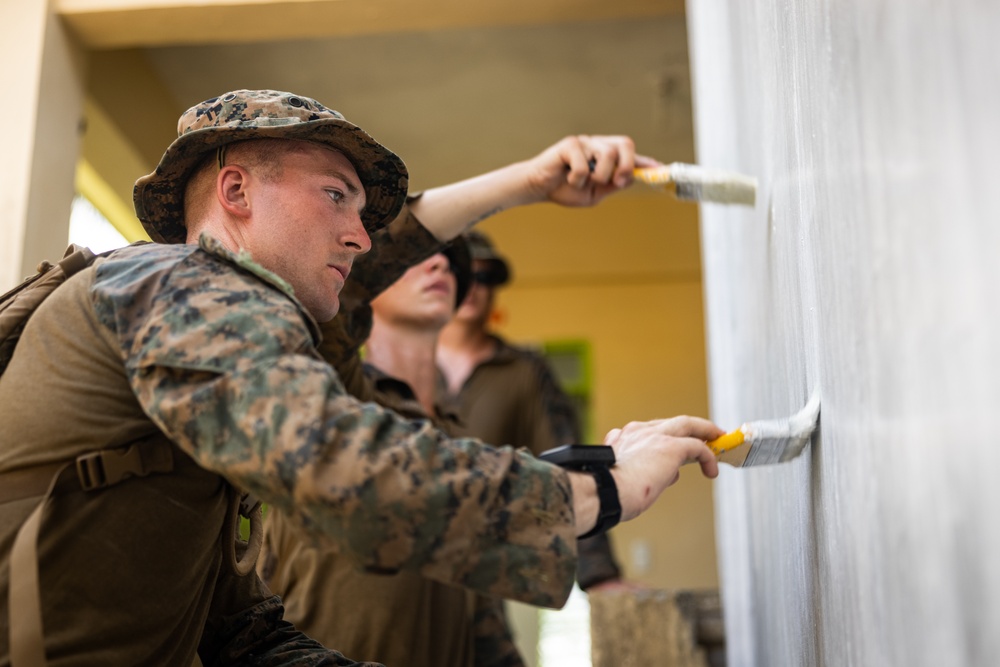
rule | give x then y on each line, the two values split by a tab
696	183
778	440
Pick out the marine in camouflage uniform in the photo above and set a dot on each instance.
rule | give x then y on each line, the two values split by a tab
401	619
206	350
197	370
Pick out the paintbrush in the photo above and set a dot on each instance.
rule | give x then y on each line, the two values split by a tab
694	183
764	442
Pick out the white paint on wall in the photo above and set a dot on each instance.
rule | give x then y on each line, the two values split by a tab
869	269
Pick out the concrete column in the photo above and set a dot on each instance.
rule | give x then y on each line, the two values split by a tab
42	118
634	628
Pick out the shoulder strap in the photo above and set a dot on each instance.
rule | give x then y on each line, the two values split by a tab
92	471
17	305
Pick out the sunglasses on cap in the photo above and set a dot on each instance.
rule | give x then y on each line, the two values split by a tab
489	277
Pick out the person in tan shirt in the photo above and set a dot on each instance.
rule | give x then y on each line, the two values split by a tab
507	393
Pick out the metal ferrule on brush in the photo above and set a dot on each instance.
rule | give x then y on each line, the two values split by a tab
694	183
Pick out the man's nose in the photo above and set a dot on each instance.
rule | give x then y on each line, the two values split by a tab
438	262
356	237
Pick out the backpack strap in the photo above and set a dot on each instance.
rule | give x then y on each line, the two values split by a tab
24	610
89	472
51	275
245	505
17	305
94	471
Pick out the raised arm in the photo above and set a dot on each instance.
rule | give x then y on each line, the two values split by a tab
561	174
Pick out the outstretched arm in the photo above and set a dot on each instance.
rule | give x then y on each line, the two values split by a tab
561	174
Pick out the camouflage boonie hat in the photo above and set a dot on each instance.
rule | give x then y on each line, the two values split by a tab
481	248
264	114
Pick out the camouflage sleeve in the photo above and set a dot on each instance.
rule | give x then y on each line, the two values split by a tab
395	248
493	643
224	363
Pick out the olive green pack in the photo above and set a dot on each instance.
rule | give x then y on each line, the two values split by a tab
17	305
92	471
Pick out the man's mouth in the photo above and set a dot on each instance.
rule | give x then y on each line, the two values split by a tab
343	270
439	286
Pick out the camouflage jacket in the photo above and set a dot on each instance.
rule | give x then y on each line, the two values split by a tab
216	353
403	619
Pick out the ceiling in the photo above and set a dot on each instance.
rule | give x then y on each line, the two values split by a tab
457	102
454	102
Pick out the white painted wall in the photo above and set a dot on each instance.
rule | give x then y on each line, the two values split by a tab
868	268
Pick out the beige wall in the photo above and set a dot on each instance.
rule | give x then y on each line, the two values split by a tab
42	83
625	278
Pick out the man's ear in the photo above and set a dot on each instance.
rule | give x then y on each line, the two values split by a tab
232	189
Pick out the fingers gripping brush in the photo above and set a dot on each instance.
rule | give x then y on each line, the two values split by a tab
769	441
693	183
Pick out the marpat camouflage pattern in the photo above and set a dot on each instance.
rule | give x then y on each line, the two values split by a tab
224	360
264	114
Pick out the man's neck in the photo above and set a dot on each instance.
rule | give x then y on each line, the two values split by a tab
462	346
408	354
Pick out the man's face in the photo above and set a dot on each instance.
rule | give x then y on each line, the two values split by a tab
479	301
306	225
422	298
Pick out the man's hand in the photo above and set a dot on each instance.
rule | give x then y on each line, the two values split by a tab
649	456
582	170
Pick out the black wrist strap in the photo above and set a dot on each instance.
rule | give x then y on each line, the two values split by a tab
607	492
596	460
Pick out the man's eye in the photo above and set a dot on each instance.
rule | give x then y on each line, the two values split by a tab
335	195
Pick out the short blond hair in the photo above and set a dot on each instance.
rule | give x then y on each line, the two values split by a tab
263	157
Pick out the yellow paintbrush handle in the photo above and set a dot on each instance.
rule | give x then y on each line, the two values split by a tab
653	175
726	442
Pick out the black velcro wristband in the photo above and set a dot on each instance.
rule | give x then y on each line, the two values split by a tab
596	460
611	510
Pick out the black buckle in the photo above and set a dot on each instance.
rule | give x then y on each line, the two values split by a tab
107	467
248	504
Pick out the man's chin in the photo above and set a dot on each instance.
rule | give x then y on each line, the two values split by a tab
325	312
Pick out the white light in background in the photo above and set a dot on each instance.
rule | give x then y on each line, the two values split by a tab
564	635
642	556
88	228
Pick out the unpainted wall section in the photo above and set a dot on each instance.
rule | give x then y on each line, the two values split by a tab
868	270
